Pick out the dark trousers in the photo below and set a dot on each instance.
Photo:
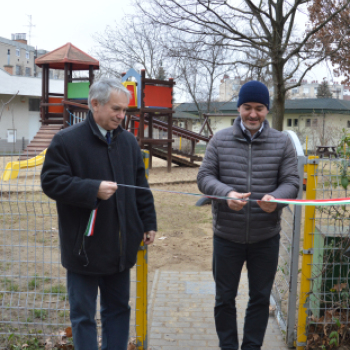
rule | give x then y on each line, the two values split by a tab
228	260
115	310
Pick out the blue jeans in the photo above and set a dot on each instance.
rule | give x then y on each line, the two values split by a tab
115	310
228	260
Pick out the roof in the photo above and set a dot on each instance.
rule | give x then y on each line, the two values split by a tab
68	53
185	115
215	107
16	44
318	105
312	105
26	86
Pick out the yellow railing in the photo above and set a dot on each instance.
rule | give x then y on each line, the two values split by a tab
306	270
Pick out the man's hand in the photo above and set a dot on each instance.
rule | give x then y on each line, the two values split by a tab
106	190
266	206
148	237
237	204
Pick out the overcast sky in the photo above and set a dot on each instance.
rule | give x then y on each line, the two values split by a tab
76	22
57	23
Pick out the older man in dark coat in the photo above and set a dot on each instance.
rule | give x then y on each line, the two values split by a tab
82	169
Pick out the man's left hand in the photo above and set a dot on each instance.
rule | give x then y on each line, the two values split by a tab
148	237
265	205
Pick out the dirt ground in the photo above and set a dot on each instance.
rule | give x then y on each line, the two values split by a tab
184	237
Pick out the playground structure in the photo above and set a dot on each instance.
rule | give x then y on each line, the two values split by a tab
54	108
151	101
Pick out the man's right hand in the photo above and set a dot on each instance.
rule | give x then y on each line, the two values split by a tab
238	203
106	190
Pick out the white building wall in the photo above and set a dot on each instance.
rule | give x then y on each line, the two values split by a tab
17	116
317	129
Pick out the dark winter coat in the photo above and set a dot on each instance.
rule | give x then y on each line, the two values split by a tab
76	162
266	165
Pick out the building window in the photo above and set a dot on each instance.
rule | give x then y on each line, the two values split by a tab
295	91
306	90
348	124
18	52
308	123
27	55
18	70
289	122
232	121
27	72
314	123
34	104
295	122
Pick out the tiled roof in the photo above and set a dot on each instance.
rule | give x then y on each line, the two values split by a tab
68	53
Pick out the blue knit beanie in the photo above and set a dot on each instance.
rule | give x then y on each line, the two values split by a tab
254	91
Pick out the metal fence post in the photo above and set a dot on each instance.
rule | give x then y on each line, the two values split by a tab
141	299
294	258
141	284
306	271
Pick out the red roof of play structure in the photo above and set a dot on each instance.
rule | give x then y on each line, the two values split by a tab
67	54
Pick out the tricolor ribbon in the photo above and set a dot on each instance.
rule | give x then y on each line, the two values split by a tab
306	202
91	224
314	202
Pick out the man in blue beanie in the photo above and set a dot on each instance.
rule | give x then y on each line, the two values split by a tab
248	160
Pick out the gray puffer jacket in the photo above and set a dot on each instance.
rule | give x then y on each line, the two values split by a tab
267	165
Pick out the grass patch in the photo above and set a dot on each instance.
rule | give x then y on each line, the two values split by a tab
58	289
64	313
33	283
40	314
10	285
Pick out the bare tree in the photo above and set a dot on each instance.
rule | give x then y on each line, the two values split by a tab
162	52
198	69
4	104
331	34
132	43
268	26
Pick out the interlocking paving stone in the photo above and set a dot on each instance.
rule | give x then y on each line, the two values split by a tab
182	316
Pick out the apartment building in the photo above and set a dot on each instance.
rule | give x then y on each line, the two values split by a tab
309	89
229	89
18	58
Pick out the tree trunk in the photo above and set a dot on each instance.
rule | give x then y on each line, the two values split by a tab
278	112
279	95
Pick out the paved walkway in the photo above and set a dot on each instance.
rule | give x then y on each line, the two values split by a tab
182	313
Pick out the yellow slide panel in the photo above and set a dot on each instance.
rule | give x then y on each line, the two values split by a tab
12	168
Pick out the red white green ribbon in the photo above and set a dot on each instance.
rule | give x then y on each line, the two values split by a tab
91	224
313	202
305	202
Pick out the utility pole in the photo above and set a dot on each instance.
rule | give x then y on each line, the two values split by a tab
30	25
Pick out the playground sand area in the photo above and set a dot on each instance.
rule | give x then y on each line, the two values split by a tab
183	240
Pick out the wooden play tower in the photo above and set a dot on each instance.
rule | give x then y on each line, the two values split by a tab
150	110
56	109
